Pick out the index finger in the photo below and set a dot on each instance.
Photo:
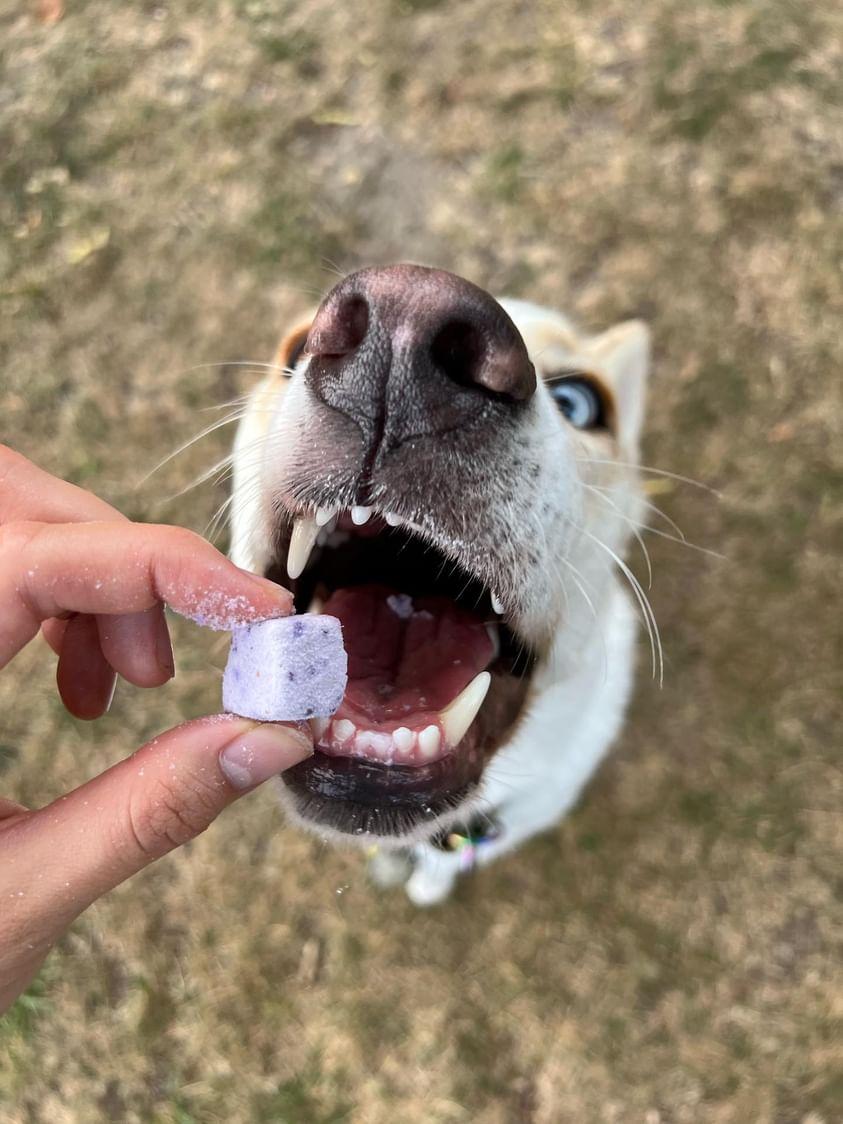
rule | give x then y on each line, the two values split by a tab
49	570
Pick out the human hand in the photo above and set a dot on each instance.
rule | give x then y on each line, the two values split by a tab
95	584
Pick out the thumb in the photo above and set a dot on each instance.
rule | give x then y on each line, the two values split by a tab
167	793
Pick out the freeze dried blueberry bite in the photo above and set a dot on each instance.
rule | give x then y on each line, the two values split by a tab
286	669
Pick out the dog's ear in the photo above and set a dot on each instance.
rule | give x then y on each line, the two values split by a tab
622	355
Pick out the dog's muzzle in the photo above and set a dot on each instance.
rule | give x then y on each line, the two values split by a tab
414	385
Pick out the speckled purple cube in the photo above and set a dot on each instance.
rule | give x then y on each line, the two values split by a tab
286	669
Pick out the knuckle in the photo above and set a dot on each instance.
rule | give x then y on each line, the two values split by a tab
176	554
181	539
15	537
171	814
16	541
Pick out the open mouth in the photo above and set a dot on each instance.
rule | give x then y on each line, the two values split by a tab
437	678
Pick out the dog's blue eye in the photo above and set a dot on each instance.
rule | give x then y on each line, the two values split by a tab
579	401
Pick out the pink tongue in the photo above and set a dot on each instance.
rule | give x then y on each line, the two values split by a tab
406	655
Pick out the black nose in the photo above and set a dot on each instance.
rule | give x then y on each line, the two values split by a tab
407	351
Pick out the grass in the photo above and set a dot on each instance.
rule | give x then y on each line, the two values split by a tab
184	180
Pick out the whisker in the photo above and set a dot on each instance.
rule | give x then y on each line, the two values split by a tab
203	478
650	507
206	432
581	581
655	471
681	541
330	266
641	597
634	528
258	364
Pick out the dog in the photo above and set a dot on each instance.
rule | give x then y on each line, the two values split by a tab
455	478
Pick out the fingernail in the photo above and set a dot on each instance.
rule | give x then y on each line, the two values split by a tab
276	592
164	652
263	752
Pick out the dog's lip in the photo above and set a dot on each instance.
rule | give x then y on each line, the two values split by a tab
373	799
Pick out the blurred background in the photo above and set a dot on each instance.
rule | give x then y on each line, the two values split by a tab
178	180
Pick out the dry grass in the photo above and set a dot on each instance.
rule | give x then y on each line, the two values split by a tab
176	181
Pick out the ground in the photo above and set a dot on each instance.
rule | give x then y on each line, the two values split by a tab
177	181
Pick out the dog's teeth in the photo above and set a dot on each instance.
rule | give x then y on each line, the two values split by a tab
402	738
319	726
343	730
361	515
458	715
495	637
325	515
497	607
392	519
429	740
302	542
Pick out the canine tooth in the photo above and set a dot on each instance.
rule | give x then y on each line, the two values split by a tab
497	607
302	542
319	726
429	740
459	714
325	515
392	519
342	730
361	515
402	738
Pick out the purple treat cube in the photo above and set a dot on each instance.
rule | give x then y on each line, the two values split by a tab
286	669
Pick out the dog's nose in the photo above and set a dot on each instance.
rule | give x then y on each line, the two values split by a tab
409	351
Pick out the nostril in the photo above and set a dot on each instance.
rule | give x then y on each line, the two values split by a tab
458	350
353	320
339	328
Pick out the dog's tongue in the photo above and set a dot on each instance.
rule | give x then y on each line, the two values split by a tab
406	655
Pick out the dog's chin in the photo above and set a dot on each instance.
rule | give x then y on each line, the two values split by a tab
347	797
362	788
